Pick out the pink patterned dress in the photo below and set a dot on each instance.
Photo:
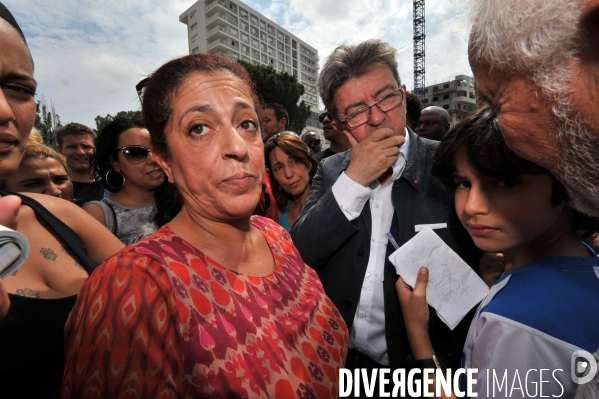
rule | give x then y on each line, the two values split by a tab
161	320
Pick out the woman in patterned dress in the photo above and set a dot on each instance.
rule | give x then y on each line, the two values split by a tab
217	303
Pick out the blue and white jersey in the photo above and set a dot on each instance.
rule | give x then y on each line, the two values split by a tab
535	317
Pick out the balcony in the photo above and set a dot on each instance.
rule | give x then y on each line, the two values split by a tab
216	19
464	100
215	6
218	45
217	32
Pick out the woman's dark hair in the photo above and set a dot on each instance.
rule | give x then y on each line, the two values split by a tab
106	150
166	80
295	148
479	137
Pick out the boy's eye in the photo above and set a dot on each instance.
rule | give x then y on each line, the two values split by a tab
507	183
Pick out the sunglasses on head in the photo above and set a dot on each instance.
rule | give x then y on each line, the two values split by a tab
287	133
141	87
313	142
135	153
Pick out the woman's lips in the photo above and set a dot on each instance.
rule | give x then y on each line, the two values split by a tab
239	180
7	142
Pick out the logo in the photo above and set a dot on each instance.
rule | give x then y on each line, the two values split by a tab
583	367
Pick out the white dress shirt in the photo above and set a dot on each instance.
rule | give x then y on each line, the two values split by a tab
368	331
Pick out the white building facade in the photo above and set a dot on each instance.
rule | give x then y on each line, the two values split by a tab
231	28
456	95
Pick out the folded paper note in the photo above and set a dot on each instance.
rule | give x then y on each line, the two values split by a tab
453	287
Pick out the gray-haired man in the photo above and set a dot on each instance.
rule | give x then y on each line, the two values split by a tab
382	185
544	83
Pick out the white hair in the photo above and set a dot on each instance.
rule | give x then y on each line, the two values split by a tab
539	39
524	35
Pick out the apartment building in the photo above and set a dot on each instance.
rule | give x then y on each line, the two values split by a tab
456	95
233	29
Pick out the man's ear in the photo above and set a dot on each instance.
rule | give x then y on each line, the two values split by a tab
589	23
165	165
282	124
59	149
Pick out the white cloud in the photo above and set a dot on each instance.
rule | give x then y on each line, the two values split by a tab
89	55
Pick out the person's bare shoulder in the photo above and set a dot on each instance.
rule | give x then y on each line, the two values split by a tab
99	241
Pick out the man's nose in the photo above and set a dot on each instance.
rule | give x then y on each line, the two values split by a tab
53	190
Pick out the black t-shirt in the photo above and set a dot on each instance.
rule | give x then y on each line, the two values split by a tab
324	154
86	192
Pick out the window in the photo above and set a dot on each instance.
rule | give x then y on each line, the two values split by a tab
263	36
435	98
446	106
245	38
472	95
294	53
263	47
271	30
243	13
264	58
233	31
286	39
256	54
245	49
233	7
435	89
271	41
253	20
192	15
233	19
280	36
233	43
262	25
255	43
254	31
425	101
445	96
293	44
245	26
193	26
462	93
194	38
195	50
446	85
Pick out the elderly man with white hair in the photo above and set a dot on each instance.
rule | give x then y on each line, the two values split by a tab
537	63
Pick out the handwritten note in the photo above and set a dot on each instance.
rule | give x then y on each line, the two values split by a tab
453	287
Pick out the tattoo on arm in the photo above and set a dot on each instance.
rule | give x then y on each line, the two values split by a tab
48	253
28	292
77	264
14	273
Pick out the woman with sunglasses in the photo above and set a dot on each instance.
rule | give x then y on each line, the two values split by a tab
291	167
124	164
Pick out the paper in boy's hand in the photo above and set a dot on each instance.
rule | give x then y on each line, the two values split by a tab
453	287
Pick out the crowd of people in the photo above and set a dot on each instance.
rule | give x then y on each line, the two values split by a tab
208	251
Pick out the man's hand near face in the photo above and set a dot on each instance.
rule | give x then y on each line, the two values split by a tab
373	156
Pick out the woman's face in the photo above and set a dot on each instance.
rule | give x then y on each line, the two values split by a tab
504	215
216	154
144	173
17	104
292	175
41	175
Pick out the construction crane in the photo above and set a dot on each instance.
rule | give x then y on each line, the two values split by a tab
419	36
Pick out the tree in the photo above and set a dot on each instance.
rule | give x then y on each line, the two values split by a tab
47	121
281	88
102	121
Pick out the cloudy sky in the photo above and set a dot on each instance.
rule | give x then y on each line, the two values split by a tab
90	54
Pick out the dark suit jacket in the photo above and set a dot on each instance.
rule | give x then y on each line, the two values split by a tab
338	249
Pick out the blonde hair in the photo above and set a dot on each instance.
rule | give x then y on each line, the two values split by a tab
35	149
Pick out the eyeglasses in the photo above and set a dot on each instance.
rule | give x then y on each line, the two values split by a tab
313	142
271	138
135	153
141	87
385	104
322	116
